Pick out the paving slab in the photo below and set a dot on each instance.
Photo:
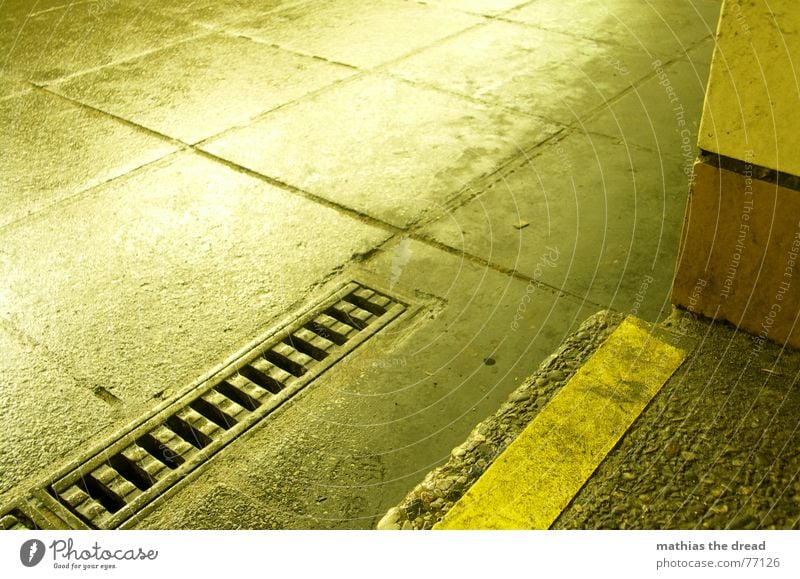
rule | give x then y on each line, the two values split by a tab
46	413
48	45
201	87
147	283
589	215
487	7
362	33
216	13
54	149
221	507
528	69
661	114
10	87
353	441
26	8
658	28
381	146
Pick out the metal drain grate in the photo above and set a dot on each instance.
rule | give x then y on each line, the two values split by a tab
114	484
16	520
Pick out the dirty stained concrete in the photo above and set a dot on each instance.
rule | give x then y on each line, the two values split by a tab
175	177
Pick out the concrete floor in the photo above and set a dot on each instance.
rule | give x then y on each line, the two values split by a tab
175	177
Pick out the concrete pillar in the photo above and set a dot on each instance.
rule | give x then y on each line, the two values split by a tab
740	248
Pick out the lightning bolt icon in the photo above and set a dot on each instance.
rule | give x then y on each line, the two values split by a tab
32	552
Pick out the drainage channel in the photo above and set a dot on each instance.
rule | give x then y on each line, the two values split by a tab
16	520
119	481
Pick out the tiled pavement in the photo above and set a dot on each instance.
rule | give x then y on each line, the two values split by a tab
177	176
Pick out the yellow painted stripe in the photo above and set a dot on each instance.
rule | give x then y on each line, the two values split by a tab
532	481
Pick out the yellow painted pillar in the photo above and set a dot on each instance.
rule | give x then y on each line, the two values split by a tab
740	248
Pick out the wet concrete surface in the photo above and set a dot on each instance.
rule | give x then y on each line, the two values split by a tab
417	147
557	76
30	439
335	456
658	28
606	240
43	44
361	33
185	261
199	88
54	149
176	177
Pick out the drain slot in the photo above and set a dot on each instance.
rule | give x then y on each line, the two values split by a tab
213	413
236	395
261	379
96	490
131	471
346	318
116	482
285	363
187	432
327	333
307	348
373	307
160	452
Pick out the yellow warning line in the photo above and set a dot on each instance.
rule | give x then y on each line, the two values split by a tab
532	481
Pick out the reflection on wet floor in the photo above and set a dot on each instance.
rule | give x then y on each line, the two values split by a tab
179	176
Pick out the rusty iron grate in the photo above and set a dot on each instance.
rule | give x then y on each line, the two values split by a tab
114	484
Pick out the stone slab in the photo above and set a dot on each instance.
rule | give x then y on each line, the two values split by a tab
382	146
196	89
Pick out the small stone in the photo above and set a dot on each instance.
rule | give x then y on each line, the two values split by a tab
407	526
628	476
744	522
520	395
459	452
672	449
390	521
719	509
437	505
688	456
